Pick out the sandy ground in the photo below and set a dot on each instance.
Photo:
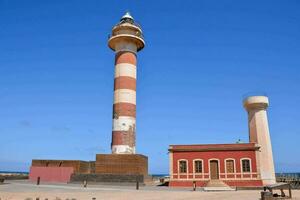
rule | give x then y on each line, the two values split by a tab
16	190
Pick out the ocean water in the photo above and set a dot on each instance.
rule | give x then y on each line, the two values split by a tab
13	172
295	175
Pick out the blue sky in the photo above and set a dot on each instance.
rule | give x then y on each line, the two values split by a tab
200	59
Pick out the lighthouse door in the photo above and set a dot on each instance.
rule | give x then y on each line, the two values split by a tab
214	169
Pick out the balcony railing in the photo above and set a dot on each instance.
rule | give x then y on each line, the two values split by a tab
138	34
130	22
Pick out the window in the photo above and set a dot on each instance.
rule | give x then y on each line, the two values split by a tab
198	166
182	166
230	166
246	165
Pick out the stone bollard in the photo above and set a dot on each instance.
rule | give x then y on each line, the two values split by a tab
194	185
266	195
38	180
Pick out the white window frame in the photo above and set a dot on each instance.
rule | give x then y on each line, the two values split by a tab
234	165
241	163
187	166
202	166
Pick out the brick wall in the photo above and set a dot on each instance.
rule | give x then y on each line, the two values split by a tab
77	165
50	174
121	164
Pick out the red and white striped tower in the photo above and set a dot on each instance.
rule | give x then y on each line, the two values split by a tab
126	40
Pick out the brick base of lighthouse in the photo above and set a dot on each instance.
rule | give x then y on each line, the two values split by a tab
116	168
135	164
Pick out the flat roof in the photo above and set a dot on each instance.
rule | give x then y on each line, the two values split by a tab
214	147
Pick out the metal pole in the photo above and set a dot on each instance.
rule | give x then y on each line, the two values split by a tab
137	185
194	185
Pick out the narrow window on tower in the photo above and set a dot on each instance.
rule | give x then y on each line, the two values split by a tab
198	166
246	165
182	166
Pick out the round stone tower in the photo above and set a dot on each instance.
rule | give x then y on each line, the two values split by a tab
126	40
256	107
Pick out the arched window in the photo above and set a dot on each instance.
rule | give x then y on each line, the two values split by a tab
198	166
246	165
182	166
230	166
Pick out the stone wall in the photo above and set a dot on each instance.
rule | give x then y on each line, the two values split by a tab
107	178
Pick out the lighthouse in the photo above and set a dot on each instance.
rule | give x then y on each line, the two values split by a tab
126	40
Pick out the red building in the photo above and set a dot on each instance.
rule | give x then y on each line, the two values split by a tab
235	164
240	164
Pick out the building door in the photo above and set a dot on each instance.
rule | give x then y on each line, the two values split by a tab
214	169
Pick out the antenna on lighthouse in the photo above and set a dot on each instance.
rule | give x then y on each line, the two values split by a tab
127	16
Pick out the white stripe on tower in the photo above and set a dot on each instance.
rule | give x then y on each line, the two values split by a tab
123	123
125	69
124	96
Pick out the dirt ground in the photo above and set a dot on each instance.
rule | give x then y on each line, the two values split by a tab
15	190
